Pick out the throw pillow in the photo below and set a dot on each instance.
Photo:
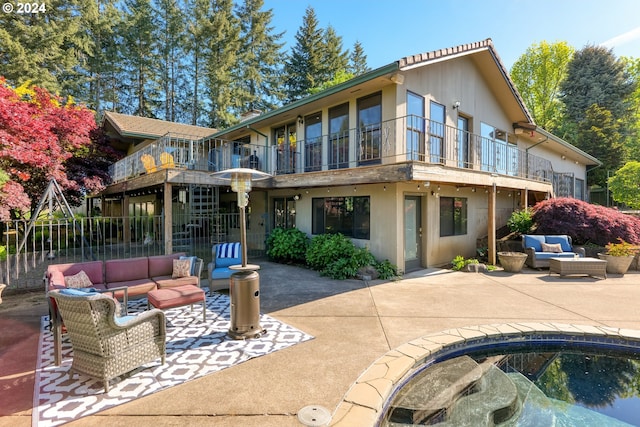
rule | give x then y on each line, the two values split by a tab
552	247
78	280
181	268
192	263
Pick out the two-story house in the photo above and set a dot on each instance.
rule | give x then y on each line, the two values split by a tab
415	160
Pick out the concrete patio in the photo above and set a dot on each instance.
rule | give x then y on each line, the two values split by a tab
354	323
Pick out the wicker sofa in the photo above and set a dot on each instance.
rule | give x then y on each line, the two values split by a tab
104	345
540	248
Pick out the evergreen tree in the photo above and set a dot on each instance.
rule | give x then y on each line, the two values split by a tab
172	44
141	59
538	74
197	48
595	76
43	47
632	137
335	60
221	64
101	18
358	60
304	68
598	134
259	59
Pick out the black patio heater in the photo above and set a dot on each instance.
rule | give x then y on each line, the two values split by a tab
244	284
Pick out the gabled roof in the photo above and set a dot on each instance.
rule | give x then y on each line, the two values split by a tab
144	127
497	77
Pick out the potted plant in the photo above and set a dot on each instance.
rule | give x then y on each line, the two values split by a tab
619	256
512	262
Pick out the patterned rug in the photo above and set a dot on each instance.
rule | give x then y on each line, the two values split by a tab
194	349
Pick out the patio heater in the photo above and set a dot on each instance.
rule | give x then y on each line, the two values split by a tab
244	284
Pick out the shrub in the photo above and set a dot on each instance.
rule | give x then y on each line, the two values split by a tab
328	248
520	221
584	222
621	249
287	245
459	262
386	270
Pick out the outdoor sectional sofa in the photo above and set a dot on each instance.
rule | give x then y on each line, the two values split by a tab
540	248
138	275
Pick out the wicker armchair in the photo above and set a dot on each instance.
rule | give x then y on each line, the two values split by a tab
105	346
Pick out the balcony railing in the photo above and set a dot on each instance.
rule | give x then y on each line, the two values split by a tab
409	138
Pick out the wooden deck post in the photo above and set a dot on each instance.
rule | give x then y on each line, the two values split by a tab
168	220
491	226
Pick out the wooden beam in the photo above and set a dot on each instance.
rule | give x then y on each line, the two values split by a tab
168	219
491	226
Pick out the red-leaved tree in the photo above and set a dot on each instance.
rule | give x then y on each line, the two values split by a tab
585	222
40	135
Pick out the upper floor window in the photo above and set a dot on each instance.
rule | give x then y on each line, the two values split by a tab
369	129
313	142
347	215
415	127
436	133
339	137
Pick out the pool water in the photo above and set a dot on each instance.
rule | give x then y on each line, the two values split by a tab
550	387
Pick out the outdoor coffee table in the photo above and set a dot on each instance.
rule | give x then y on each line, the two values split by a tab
568	266
178	296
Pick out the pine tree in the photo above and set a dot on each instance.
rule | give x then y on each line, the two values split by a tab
221	64
101	18
259	59
304	69
172	44
335	60
199	30
358	60
43	47
140	43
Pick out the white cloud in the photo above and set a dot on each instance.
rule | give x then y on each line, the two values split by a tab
622	39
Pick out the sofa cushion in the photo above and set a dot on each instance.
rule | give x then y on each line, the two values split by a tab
134	287
562	239
221	273
170	282
193	262
533	241
56	272
547	255
162	265
124	270
556	248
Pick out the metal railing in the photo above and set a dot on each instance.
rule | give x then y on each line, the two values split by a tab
410	138
62	240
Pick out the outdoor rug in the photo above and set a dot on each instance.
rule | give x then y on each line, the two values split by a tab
194	349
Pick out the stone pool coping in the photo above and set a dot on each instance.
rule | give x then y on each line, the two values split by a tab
364	403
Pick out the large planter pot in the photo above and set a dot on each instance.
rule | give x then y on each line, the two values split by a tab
512	261
2	286
617	264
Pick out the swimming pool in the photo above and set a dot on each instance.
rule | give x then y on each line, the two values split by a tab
382	396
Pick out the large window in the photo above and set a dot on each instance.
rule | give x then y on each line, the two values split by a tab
453	216
313	142
436	133
369	127
339	137
347	215
415	126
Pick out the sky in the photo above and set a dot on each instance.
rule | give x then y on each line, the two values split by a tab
392	29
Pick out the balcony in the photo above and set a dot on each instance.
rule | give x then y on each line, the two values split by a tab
409	138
